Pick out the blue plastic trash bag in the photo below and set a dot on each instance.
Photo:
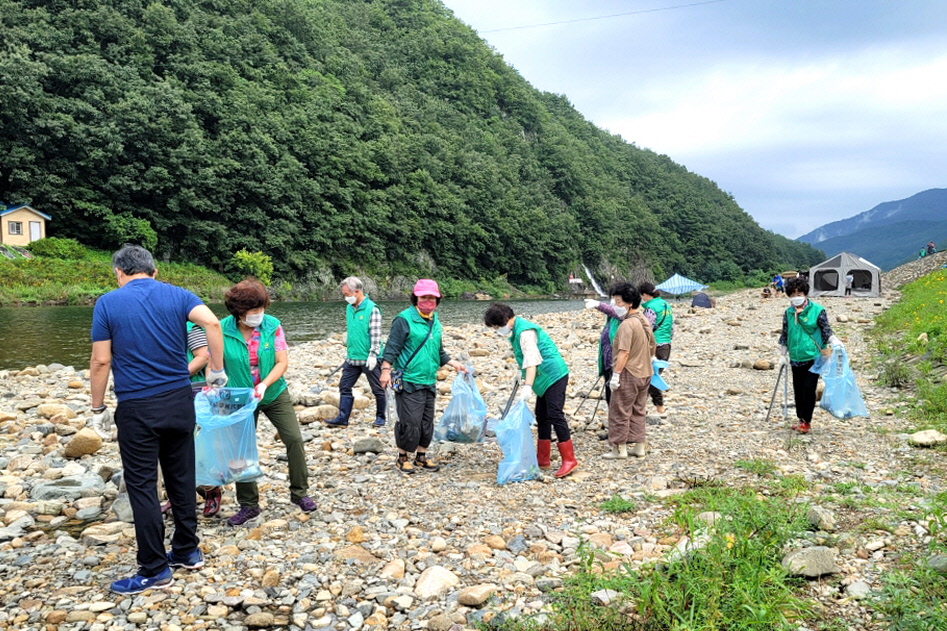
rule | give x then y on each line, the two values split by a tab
656	380
516	440
225	441
463	420
841	397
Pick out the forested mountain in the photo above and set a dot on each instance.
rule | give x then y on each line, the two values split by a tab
337	135
889	234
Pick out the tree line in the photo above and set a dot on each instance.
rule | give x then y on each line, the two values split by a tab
380	137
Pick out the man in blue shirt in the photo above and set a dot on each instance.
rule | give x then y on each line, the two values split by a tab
139	334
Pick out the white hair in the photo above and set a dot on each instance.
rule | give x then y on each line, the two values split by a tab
353	283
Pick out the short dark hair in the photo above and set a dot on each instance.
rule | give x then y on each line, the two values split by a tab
246	295
133	259
414	300
649	288
498	314
628	293
797	284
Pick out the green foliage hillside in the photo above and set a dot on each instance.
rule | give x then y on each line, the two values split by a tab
336	136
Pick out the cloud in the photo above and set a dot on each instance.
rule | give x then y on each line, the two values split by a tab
841	101
805	111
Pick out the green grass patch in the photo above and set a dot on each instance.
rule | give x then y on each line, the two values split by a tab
55	280
618	505
921	313
758	466
914	597
731	581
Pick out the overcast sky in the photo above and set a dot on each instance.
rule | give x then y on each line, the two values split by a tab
806	111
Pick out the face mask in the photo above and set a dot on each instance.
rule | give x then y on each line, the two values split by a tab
797	301
253	320
504	331
621	312
427	306
350	299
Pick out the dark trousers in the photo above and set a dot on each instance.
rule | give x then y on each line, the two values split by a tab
415	426
153	430
804	384
550	414
283	417
657	396
350	375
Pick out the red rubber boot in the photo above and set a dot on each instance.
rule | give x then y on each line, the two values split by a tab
542	453
567	454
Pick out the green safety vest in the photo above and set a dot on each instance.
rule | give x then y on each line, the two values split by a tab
663	320
803	337
553	367
357	329
237	356
423	368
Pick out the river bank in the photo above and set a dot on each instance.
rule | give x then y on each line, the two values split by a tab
453	548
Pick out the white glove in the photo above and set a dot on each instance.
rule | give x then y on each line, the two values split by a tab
102	423
591	303
834	342
260	390
216	378
525	393
614	382
783	356
371	362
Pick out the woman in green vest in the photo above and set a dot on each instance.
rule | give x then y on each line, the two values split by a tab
806	333
415	348
256	356
544	373
663	326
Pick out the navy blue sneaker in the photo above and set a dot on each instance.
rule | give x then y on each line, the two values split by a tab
379	422
138	583
192	561
337	422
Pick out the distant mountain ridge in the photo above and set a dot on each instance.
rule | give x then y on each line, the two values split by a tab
889	234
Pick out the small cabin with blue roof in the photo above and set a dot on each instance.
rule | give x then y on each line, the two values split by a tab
21	225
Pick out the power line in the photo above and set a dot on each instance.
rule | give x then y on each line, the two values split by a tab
602	17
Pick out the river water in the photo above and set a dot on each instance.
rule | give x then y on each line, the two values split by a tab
43	335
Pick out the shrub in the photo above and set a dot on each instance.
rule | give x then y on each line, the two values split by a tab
58	248
122	229
254	264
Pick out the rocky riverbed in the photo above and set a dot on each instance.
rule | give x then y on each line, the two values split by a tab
446	550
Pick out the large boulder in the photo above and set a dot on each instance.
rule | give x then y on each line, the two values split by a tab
68	488
84	443
318	413
811	562
49	410
435	581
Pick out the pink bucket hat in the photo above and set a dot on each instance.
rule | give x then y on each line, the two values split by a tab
426	287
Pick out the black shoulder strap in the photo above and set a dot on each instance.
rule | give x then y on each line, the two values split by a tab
430	331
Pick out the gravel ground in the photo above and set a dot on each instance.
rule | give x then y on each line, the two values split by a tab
449	549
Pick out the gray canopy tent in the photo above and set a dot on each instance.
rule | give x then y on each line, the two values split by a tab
828	277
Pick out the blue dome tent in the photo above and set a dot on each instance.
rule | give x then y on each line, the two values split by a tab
677	285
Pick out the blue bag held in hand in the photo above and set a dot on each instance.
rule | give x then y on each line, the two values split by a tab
656	380
841	397
462	421
225	441
516	440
